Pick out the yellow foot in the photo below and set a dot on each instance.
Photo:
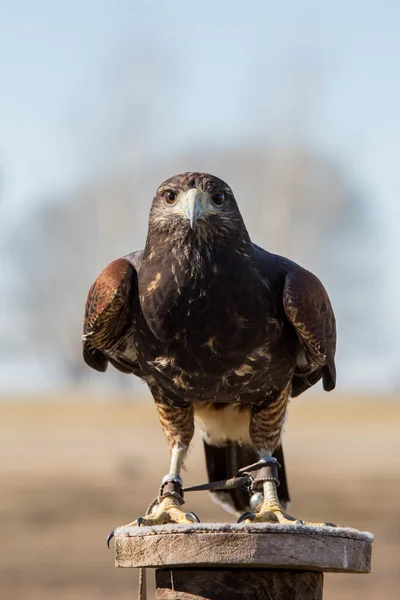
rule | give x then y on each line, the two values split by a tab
167	511
276	514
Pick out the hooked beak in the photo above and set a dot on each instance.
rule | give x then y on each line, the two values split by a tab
193	208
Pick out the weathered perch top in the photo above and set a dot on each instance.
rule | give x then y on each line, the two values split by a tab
255	546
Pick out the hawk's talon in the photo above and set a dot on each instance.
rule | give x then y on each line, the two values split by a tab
165	512
275	514
110	537
192	517
247	516
268	508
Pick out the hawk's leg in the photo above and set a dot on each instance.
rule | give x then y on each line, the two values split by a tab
168	506
178	425
265	431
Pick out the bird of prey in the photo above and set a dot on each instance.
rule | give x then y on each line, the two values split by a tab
223	333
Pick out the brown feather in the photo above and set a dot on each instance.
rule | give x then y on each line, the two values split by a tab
107	330
308	308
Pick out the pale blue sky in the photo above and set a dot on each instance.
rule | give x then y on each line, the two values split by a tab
57	59
227	65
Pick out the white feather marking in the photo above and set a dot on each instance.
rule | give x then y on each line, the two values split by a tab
244	370
219	426
153	285
161	362
87	335
260	352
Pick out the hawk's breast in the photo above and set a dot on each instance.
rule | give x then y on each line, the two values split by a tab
218	352
207	327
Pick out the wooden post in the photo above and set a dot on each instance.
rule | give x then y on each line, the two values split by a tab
238	584
214	561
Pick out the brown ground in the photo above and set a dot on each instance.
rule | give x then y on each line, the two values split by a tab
72	470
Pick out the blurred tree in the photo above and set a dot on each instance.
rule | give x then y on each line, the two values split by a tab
68	241
295	202
71	238
52	259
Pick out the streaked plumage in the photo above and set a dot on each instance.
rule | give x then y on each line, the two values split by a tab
213	323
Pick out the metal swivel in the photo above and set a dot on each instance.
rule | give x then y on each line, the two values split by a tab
256	501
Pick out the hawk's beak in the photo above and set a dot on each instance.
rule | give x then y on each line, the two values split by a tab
193	208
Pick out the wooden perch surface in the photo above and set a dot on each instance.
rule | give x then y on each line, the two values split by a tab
254	546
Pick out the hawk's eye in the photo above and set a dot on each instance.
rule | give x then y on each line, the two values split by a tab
218	198
170	197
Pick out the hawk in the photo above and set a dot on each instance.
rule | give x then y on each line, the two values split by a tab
223	333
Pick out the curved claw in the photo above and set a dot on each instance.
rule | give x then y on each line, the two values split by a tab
110	537
246	516
192	517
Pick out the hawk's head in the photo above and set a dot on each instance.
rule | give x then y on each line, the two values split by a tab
196	206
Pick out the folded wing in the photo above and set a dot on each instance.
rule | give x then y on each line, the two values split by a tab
108	334
308	308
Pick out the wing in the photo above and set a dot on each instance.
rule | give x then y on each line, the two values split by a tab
108	325
308	308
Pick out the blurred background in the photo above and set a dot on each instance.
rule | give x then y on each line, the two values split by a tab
296	106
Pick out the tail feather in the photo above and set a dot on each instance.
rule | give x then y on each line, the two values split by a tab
224	462
283	489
